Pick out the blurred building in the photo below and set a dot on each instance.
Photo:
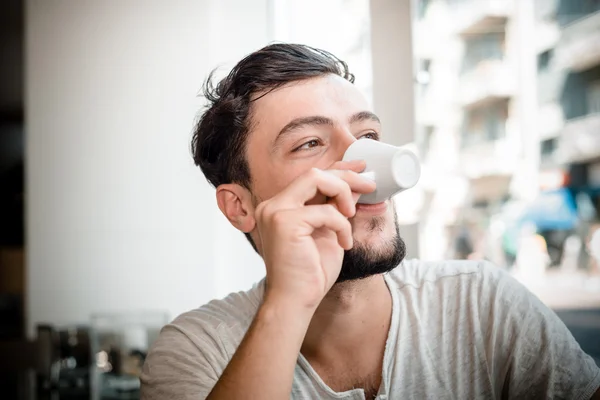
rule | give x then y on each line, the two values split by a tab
568	53
508	102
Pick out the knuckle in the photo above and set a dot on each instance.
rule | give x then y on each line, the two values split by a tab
346	173
342	218
278	217
345	176
330	209
347	190
350	176
348	225
346	228
265	211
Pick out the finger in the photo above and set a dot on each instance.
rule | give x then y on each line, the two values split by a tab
335	184
358	183
355	197
326	216
317	182
353	165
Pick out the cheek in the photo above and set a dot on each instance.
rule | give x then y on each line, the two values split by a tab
273	173
272	180
269	183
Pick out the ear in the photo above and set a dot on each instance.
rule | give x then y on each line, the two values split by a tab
235	202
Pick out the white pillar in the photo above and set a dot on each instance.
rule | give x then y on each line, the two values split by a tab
393	90
526	180
393	78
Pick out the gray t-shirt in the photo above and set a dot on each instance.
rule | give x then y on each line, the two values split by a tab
459	330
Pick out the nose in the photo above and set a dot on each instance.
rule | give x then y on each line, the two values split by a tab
343	140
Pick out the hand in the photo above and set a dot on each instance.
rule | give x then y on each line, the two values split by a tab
303	243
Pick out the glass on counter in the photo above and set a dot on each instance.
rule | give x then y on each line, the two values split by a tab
120	342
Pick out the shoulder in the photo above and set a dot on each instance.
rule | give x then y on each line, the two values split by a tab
235	310
199	343
227	319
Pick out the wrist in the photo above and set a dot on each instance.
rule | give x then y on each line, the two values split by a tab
286	308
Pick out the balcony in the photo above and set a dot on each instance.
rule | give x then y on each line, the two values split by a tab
579	45
426	112
489	81
550	120
579	139
435	107
427	39
481	16
491	158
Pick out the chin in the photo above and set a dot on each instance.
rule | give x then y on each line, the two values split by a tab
374	252
374	231
374	240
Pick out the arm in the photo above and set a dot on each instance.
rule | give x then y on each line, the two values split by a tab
303	245
191	359
302	241
263	365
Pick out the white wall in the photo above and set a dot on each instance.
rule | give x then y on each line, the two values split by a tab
237	28
118	218
341	27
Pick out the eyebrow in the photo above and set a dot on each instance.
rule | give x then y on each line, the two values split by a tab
364	116
295	124
318	120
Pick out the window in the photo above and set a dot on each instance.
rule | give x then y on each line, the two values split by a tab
423	6
481	204
484	47
569	11
423	74
593	97
426	140
547	147
544	60
458	3
485	124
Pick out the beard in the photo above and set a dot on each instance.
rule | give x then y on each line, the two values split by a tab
362	262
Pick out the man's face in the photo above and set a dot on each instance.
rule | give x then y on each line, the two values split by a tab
310	124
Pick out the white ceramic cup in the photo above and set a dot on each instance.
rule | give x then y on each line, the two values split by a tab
392	168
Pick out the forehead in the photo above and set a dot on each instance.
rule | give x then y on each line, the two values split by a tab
330	96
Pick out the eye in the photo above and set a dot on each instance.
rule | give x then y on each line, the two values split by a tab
308	145
370	135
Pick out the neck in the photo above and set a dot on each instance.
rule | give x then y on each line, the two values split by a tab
349	313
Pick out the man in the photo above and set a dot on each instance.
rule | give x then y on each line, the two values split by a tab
340	314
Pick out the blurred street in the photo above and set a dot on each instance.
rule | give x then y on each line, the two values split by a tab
585	327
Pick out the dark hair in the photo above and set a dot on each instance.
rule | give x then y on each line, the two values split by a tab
219	140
